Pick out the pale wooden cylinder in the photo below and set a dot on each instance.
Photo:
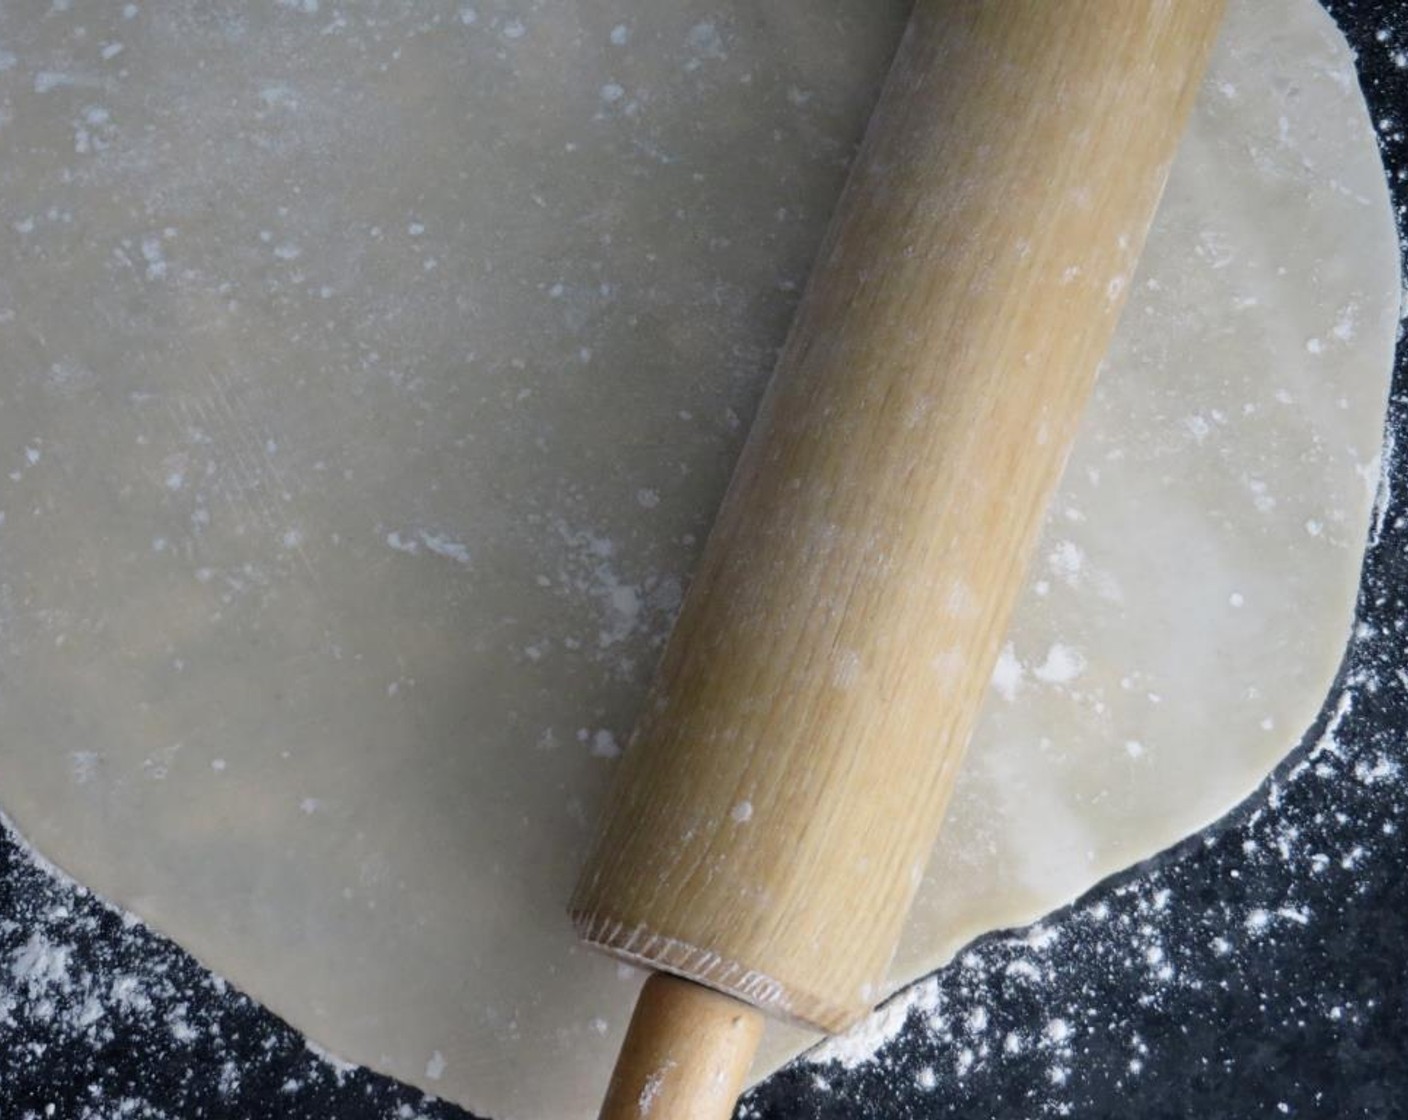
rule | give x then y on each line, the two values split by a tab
686	1054
776	806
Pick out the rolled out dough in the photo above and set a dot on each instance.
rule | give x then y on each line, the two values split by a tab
371	375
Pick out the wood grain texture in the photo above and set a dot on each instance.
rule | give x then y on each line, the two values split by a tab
686	1054
778	801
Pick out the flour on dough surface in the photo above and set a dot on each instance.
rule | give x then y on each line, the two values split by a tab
372	374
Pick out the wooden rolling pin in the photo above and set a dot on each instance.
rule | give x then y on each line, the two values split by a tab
779	798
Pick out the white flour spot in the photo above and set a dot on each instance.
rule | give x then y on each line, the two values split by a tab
1066	561
435	1068
1263	501
859	1044
45	81
83	766
588	570
1062	665
437	543
1381	769
651	1090
846	670
1346	323
340	1068
39	964
277	96
444	546
706	42
1057	1031
1007	673
742	813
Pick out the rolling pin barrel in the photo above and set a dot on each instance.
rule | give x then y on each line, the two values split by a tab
775	808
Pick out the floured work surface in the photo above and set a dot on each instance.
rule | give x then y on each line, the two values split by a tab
370	379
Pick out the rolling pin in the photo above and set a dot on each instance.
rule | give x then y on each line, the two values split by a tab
776	805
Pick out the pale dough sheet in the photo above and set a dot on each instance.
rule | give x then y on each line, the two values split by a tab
371	373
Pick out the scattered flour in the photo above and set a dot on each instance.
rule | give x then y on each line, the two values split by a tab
604	744
1007	674
1062	665
438	544
650	1091
862	1042
96	982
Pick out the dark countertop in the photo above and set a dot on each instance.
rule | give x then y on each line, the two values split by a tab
1259	968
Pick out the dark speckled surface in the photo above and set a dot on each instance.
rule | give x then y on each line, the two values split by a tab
1258	969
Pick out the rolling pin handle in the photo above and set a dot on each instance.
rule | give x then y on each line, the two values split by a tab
686	1055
